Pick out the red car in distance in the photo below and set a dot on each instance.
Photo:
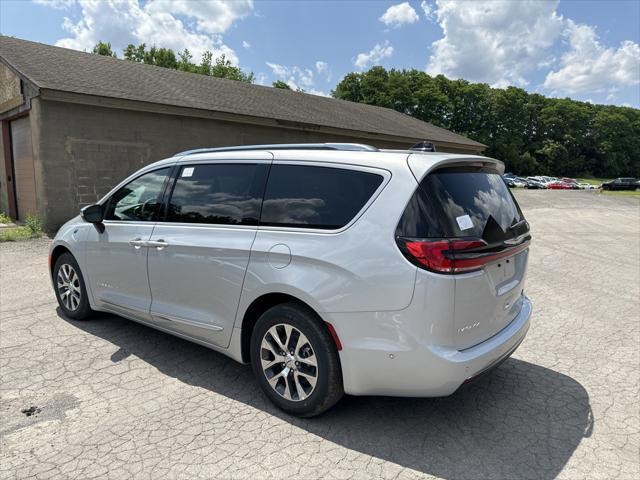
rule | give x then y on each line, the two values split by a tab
561	185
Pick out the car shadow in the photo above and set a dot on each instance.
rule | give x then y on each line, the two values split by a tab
520	421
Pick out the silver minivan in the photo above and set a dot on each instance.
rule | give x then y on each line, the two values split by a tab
331	268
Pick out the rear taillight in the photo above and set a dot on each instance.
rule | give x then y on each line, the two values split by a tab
454	255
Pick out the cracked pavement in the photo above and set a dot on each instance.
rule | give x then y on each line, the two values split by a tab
120	400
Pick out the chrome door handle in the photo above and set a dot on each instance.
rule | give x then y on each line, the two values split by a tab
137	243
159	244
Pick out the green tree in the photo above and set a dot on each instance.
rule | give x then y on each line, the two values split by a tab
165	57
223	68
531	133
104	49
185	64
135	54
281	84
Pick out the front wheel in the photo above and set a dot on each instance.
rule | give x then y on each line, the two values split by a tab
70	289
296	361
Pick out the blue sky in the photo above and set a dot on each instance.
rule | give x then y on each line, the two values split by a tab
587	50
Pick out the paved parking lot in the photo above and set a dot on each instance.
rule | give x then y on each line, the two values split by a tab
115	399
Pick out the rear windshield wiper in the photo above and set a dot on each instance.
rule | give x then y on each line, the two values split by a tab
518	224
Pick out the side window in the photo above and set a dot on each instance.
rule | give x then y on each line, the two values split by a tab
226	194
315	197
138	200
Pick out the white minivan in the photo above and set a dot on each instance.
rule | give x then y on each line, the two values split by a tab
331	268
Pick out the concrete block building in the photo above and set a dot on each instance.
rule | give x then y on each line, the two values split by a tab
74	124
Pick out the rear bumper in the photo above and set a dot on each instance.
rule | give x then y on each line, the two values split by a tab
415	368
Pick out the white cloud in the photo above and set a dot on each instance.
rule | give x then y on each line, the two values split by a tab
400	14
298	78
176	24
428	10
493	41
246	45
57	4
590	67
295	77
261	78
212	16
377	53
322	68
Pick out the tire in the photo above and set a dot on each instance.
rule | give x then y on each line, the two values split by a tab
292	390
67	277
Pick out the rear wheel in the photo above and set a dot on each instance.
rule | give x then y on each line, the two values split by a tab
296	361
70	289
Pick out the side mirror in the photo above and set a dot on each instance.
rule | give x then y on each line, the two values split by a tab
93	213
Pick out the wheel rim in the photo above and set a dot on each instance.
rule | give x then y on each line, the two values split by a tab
289	362
68	284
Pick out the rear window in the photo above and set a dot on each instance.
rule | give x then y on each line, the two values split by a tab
315	197
453	203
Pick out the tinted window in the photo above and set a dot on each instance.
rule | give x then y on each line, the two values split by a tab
139	199
315	197
452	203
228	194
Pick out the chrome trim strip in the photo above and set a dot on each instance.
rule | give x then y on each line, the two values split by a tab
191	323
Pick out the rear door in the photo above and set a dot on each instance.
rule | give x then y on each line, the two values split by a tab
473	205
200	251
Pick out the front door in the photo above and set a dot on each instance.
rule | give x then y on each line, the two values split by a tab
200	252
116	257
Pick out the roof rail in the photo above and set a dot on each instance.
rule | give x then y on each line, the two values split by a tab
356	147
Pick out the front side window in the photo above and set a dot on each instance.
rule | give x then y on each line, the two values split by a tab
315	197
225	194
138	201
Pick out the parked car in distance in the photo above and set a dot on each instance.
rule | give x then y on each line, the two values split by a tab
558	185
623	183
535	183
586	186
292	258
514	182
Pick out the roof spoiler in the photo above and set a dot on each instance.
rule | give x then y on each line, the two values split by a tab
424	146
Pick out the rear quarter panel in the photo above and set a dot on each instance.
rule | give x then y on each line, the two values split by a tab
357	268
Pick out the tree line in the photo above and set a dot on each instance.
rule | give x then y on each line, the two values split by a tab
531	133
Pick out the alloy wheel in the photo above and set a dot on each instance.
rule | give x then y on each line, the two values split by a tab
68	284
289	362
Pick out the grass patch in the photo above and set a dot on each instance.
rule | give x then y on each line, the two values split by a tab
31	229
4	218
594	181
14	234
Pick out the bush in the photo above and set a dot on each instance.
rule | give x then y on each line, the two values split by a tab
4	218
34	224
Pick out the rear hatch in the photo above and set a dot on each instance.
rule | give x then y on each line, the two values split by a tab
463	221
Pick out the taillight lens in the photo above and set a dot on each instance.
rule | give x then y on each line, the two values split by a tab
454	255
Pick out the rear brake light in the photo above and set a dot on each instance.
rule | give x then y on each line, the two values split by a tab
453	255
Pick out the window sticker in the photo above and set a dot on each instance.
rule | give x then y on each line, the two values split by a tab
464	222
187	172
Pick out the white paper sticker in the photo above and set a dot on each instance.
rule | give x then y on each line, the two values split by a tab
464	222
187	172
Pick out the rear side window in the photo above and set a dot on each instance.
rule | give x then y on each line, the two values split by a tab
315	197
462	203
225	194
